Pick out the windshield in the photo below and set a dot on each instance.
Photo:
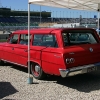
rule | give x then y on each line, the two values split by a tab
76	37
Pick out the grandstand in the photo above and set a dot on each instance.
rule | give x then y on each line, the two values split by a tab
12	19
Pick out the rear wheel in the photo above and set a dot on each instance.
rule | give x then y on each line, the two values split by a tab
37	71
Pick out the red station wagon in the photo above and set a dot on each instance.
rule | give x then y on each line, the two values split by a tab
55	51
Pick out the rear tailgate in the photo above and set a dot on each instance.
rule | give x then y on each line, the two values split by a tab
83	55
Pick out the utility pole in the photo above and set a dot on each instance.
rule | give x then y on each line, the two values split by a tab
40	14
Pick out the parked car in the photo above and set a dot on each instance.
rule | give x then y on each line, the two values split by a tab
55	51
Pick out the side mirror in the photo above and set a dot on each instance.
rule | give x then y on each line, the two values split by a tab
9	37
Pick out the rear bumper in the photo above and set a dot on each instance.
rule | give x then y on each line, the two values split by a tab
79	70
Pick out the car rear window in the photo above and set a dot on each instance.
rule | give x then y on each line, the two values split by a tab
76	37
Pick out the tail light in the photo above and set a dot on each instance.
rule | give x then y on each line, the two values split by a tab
70	60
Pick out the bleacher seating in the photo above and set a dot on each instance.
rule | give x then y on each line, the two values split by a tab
8	20
21	22
24	20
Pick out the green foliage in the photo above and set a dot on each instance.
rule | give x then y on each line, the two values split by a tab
3	40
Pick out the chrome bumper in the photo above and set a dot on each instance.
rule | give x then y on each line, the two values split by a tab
78	70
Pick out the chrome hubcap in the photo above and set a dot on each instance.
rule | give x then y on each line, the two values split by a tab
37	68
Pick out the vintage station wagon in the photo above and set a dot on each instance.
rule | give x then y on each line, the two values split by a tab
55	51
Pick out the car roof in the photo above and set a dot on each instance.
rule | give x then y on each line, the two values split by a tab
36	30
47	30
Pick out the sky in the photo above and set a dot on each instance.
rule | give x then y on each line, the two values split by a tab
55	12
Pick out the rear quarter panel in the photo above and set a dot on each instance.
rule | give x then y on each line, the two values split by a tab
52	60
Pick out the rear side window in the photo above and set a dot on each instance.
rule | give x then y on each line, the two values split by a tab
78	37
24	39
45	40
14	39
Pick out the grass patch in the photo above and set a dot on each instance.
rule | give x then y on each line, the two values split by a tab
3	40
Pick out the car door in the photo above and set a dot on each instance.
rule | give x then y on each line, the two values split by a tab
50	55
2	45
22	50
9	49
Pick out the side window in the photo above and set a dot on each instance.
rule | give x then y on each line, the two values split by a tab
65	39
48	38
45	40
14	39
24	39
37	40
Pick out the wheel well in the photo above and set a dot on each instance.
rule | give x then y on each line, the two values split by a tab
37	73
32	62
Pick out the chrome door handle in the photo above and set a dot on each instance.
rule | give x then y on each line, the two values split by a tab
12	48
25	50
71	53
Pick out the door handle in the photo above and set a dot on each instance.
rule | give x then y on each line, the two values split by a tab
12	48
25	50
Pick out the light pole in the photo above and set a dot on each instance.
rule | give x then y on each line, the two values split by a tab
40	14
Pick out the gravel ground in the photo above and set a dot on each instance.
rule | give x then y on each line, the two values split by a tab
14	86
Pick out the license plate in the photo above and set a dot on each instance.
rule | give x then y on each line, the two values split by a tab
91	69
